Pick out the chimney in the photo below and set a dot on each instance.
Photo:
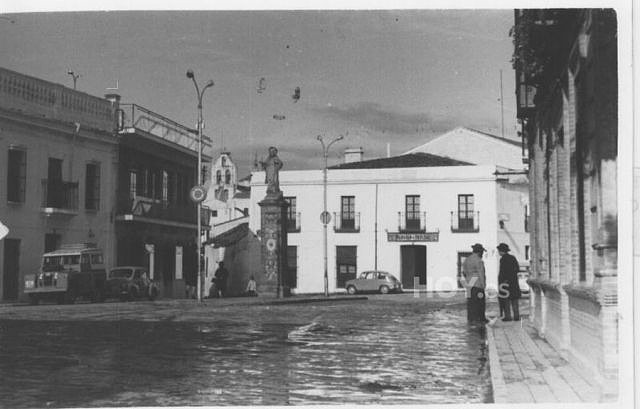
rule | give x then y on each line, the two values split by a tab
353	155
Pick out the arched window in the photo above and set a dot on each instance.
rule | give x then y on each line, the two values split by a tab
218	177
227	177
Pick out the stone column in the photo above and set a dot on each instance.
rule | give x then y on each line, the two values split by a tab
273	232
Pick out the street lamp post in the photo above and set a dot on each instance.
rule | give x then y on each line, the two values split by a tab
325	221
199	94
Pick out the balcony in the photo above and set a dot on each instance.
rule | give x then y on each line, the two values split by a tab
149	210
468	223
346	223
293	223
412	222
59	197
132	118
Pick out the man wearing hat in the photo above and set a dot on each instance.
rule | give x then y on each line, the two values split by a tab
509	289
475	281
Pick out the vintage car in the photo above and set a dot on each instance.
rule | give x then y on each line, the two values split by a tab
130	283
371	281
73	271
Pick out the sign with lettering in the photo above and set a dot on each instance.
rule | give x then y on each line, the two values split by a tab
430	236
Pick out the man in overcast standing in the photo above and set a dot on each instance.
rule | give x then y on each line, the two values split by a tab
475	281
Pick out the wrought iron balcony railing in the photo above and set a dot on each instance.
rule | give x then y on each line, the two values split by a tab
467	222
162	210
132	116
346	222
412	221
58	194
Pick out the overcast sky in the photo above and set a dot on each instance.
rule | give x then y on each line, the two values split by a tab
395	77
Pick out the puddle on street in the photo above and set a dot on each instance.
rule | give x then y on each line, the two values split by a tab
399	355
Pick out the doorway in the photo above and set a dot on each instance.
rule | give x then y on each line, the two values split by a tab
413	261
11	269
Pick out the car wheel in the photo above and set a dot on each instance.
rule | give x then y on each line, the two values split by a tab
133	293
70	297
384	289
351	290
34	299
153	294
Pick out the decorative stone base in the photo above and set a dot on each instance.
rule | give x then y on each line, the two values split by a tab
273	232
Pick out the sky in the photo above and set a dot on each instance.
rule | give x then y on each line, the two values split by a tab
397	77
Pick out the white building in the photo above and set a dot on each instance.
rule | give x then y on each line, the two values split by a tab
413	215
509	158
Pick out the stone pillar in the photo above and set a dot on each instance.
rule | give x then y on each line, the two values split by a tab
273	232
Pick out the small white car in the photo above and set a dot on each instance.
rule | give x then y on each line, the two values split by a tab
372	281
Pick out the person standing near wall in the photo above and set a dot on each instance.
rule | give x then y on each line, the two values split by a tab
221	277
509	290
474	280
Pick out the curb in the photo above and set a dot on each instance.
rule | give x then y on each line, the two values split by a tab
498	386
313	300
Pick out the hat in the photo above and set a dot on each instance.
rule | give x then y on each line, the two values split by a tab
477	247
503	247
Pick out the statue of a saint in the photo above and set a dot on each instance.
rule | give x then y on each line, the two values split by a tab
272	166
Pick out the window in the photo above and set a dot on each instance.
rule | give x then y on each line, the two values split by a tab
16	175
465	212
214	213
347	212
92	187
412	212
526	218
526	252
292	215
165	187
97	259
133	183
346	265
218	177
227	177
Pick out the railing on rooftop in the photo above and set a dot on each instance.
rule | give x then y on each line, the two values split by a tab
34	96
137	117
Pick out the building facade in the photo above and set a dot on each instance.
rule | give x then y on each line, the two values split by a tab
59	155
567	89
414	215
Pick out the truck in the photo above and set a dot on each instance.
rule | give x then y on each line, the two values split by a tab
70	272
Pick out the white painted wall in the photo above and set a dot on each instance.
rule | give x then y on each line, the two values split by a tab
438	188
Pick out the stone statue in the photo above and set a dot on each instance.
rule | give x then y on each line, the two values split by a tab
272	166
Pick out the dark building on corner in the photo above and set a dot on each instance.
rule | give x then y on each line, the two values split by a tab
155	221
567	90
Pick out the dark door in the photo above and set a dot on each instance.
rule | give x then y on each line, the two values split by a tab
51	242
414	265
346	264
11	269
292	267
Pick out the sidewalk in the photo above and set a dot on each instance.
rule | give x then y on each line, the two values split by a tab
526	369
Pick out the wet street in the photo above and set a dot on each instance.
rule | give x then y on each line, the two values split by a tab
394	349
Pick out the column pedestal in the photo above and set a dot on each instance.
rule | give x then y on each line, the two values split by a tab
273	233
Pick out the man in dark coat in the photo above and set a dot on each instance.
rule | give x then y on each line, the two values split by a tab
474	281
509	289
221	276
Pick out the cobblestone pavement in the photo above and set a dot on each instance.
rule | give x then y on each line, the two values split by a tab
392	349
527	369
